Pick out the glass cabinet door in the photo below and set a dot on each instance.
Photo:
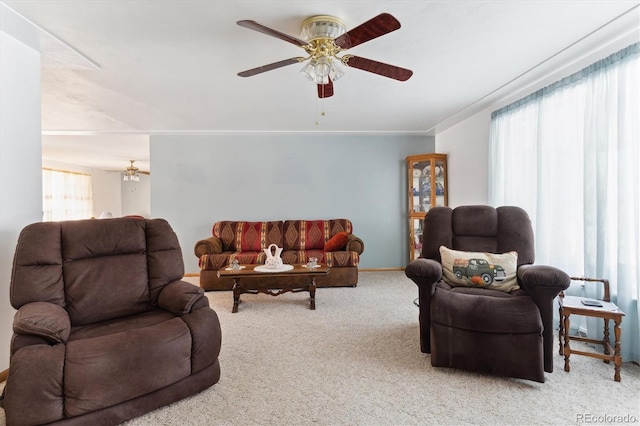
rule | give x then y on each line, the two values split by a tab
427	188
420	197
415	238
427	182
440	172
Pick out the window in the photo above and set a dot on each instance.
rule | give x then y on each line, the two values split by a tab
569	155
66	195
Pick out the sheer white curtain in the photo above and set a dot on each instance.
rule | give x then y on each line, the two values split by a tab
66	195
570	155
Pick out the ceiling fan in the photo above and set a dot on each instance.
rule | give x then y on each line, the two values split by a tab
130	173
324	37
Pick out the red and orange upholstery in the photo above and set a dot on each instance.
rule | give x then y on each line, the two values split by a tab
301	239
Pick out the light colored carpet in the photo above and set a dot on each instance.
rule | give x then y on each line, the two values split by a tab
355	360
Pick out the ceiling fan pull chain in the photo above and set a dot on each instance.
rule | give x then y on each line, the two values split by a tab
320	110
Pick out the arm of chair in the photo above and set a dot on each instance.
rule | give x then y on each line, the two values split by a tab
354	243
425	273
211	245
543	283
181	297
43	319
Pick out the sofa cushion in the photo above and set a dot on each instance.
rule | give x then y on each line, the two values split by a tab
342	258
518	312
331	259
312	234
217	261
480	269
214	262
337	242
248	236
304	234
119	325
248	257
105	269
38	261
94	375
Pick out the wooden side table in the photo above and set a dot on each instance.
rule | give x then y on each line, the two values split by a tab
608	311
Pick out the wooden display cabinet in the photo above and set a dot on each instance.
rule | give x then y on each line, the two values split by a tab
427	188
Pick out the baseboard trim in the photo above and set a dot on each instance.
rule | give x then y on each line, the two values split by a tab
379	269
192	275
4	375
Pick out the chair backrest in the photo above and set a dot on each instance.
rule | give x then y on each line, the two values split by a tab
96	269
478	228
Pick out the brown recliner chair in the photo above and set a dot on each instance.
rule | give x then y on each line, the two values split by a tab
482	329
105	329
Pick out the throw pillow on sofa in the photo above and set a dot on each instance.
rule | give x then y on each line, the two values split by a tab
337	242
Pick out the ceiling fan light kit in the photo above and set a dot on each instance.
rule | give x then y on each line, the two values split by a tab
322	26
324	37
131	173
319	32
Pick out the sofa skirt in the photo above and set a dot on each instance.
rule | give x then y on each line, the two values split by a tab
338	277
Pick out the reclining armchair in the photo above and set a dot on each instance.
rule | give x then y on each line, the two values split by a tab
105	329
484	326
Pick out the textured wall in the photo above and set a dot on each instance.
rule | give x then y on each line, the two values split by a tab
198	180
20	163
467	147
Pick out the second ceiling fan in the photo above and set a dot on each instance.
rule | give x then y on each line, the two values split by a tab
324	38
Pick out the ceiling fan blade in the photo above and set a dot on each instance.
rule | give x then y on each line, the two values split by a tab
325	90
386	70
253	25
373	28
269	67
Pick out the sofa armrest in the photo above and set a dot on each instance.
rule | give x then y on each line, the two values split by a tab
181	297
543	283
354	243
542	280
425	273
43	319
211	245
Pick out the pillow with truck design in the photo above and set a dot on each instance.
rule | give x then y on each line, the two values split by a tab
479	269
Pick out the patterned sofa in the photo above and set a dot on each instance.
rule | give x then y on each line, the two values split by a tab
300	240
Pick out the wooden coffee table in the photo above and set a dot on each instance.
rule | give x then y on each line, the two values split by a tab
247	280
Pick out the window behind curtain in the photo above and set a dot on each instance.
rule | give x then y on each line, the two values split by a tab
569	154
66	195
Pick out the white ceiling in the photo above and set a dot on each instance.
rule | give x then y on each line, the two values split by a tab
170	66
